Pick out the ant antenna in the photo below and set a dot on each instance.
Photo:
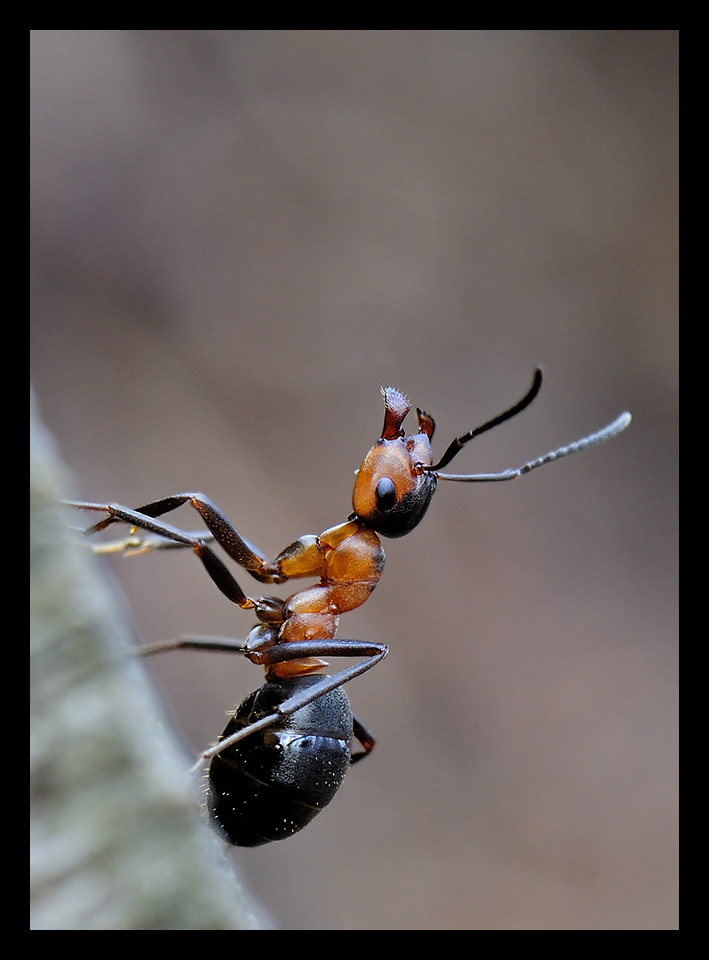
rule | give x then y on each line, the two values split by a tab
614	428
457	445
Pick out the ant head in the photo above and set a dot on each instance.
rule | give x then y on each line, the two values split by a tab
393	488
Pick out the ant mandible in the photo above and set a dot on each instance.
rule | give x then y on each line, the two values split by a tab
287	747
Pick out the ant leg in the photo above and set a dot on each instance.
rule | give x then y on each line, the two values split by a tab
213	565
361	733
222	531
375	652
218	644
280	654
135	546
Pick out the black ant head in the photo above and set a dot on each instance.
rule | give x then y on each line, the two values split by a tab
393	487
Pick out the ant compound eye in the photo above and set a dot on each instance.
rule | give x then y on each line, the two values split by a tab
386	494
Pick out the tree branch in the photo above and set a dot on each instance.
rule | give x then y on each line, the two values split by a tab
116	839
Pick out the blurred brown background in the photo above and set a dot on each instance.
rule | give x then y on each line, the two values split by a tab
237	238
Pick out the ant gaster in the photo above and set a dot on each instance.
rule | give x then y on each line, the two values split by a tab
287	747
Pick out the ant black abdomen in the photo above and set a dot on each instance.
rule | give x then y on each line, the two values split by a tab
271	785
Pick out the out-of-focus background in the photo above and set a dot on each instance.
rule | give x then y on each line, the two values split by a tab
237	238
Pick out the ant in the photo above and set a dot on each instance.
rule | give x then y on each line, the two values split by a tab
287	747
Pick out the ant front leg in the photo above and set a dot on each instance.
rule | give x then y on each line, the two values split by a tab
245	554
135	545
303	558
213	565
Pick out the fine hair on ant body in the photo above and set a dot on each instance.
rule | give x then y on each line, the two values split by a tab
286	748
